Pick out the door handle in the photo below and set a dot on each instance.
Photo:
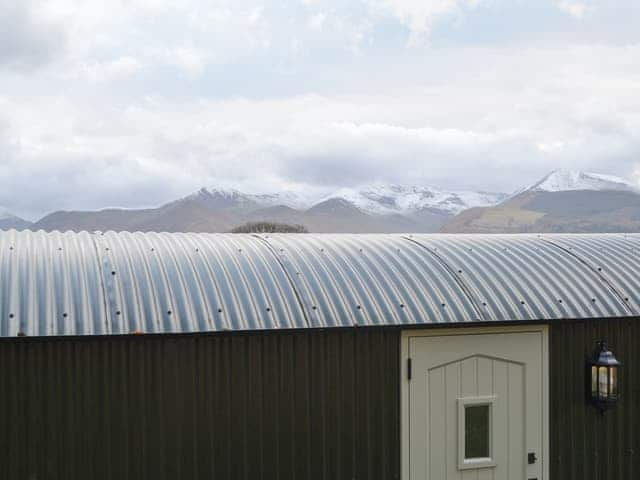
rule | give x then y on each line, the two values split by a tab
531	459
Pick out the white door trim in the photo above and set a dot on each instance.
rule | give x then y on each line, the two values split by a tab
443	332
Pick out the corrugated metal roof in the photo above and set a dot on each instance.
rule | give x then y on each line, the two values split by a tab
119	283
527	277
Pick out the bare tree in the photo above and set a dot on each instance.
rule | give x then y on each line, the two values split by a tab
269	227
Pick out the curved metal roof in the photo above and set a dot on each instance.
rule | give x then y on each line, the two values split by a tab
118	283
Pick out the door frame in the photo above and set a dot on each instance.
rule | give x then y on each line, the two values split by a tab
445	332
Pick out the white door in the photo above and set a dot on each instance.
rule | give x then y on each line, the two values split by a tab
475	405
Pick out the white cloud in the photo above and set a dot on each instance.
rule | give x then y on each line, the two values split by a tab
576	113
317	21
419	16
189	60
28	40
576	9
107	71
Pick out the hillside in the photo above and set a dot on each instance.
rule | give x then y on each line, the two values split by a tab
377	208
9	221
563	201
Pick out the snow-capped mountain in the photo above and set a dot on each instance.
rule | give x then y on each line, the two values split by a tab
231	198
382	199
570	180
376	199
562	201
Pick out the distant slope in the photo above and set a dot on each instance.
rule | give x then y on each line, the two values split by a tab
9	221
375	209
561	202
188	217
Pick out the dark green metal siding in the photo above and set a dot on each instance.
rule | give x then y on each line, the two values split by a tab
282	405
310	405
584	444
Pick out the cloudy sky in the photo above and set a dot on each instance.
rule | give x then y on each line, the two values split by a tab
136	102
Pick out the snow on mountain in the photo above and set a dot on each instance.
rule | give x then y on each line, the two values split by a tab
382	199
215	197
376	199
297	200
567	180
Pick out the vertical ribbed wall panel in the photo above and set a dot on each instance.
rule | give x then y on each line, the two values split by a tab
584	444
311	405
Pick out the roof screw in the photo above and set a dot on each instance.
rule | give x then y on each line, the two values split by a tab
360	250
484	304
626	299
22	334
444	305
593	299
522	302
239	250
599	269
65	315
268	309
11	248
197	249
358	307
59	249
219	310
559	300
459	271
107	249
118	312
402	305
11	315
168	312
153	249
113	272
314	308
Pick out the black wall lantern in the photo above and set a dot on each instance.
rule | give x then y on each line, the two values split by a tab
604	378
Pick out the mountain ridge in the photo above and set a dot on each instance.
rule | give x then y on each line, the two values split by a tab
563	200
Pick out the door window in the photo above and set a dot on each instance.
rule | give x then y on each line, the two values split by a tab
475	432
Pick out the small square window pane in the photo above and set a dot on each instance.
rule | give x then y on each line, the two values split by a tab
476	431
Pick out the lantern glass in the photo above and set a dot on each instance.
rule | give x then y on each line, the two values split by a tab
603	382
594	381
613	381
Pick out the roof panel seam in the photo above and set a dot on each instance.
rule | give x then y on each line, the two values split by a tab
593	269
465	289
101	273
299	296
